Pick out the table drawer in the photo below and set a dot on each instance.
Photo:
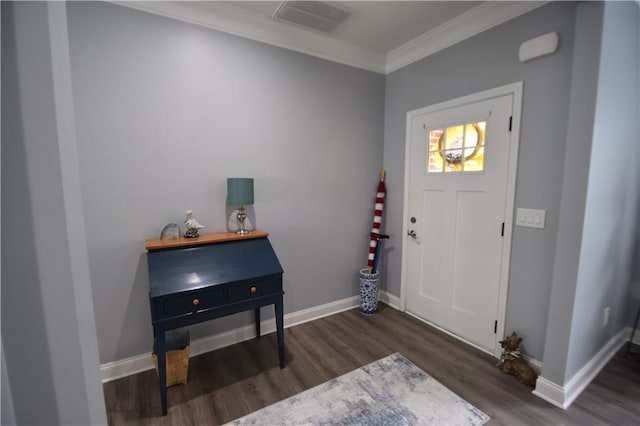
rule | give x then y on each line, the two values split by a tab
193	301
255	288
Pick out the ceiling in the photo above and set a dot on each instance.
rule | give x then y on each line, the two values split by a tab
380	26
380	36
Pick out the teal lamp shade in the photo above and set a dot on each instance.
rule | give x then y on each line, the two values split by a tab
240	191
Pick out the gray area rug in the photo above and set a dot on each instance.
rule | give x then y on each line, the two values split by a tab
391	391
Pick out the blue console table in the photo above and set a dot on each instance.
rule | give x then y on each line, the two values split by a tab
198	279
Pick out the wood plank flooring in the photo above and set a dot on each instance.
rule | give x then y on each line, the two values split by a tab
234	381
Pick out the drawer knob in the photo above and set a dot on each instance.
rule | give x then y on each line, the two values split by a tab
254	289
195	302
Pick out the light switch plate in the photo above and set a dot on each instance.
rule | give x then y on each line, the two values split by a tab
530	218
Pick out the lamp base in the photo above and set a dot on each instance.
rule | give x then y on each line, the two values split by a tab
241	216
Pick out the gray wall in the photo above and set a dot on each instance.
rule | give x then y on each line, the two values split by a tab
611	215
48	329
634	291
584	86
634	300
166	111
488	60
7	412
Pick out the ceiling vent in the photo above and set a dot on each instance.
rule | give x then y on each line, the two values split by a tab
315	15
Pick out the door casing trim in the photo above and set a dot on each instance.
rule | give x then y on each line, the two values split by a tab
514	89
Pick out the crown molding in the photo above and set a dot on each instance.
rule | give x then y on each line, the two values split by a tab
474	21
260	28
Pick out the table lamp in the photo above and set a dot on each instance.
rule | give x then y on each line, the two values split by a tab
240	193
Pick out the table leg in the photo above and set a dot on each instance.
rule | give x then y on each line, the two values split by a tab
280	331
162	369
257	315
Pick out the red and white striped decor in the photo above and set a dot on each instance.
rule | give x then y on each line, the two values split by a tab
377	220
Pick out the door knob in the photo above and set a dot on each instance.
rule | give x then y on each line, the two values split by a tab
412	234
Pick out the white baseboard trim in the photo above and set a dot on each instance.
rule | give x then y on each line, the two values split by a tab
550	392
125	367
636	336
563	396
136	364
389	299
534	363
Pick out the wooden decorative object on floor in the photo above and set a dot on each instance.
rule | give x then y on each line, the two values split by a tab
177	357
177	366
511	361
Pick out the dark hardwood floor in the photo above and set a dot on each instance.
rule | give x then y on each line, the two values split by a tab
233	381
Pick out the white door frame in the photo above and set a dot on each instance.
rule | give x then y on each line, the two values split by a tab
514	89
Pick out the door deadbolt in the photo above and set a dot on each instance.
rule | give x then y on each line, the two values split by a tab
412	220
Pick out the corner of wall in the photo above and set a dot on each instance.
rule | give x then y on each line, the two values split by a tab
584	82
562	396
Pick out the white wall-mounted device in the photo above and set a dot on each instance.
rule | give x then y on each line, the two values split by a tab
530	218
538	46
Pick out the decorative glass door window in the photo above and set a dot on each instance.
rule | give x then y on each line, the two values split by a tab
458	148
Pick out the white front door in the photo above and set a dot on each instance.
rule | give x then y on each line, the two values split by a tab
459	159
